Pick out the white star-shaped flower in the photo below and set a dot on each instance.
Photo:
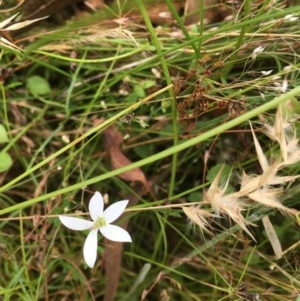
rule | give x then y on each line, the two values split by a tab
101	220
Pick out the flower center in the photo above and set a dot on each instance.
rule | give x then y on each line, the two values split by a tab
100	222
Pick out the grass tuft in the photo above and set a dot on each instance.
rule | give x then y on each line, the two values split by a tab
197	125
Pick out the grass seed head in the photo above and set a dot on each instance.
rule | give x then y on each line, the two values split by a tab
199	217
229	205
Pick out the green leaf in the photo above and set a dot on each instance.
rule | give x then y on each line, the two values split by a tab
290	109
148	84
212	173
139	91
195	196
5	161
3	134
37	85
175	214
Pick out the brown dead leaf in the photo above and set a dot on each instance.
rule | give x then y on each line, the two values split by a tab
112	138
112	141
113	250
118	160
112	263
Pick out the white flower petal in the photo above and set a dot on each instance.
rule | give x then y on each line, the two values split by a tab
96	206
115	233
114	211
90	248
75	223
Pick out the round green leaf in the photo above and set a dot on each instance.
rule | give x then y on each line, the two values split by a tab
37	85
5	161
139	91
3	134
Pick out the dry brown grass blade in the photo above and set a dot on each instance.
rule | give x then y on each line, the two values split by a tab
279	125
7	44
7	21
22	24
4	28
18	25
263	161
272	236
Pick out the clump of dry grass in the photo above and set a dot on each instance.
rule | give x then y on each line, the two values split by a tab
5	27
264	189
